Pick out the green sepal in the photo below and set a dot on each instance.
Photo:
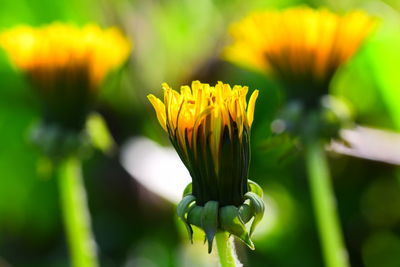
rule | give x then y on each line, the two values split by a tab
209	221
246	213
257	205
182	209
255	188
187	190
231	222
194	215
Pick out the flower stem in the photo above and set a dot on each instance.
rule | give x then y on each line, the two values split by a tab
226	250
75	213
334	251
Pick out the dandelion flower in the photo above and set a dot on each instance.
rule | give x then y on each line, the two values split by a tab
209	127
303	47
65	64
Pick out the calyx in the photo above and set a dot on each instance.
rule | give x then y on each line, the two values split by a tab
211	217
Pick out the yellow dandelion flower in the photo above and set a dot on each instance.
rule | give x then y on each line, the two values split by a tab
209	127
299	45
66	64
61	51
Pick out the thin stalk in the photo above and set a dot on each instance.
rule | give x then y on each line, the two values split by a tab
226	250
334	251
76	214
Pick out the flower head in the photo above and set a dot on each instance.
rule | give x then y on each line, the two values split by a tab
50	51
209	127
301	46
66	64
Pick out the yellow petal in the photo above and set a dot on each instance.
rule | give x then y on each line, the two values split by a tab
160	110
250	108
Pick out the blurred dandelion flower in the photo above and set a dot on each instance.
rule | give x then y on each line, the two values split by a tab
66	64
303	47
209	127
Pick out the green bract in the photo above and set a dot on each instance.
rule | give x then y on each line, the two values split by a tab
323	121
211	217
57	142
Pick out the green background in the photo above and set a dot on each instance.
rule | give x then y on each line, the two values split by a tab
178	41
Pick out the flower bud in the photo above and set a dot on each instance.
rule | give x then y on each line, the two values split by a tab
209	126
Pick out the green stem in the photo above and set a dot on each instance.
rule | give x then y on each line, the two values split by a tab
334	251
226	250
76	214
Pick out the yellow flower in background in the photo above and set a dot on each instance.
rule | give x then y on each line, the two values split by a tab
298	44
66	65
209	127
61	51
